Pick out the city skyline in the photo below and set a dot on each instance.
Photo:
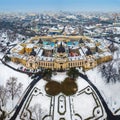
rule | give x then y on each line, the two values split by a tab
57	5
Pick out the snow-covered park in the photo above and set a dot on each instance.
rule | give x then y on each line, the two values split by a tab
82	105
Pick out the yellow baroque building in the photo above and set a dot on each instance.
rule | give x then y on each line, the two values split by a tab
60	53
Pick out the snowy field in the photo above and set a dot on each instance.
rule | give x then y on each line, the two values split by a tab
110	92
5	74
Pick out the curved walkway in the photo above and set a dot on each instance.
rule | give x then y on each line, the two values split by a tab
110	115
31	85
28	73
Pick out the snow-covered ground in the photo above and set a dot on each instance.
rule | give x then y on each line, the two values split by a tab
82	104
110	92
6	73
1	55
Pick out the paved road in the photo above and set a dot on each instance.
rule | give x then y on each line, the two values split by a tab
31	85
25	72
110	115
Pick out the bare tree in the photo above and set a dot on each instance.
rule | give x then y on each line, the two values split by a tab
109	72
37	112
3	95
13	88
112	47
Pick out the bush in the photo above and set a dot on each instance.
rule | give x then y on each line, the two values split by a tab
7	59
53	88
69	87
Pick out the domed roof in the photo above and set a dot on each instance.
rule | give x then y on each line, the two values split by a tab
61	49
33	53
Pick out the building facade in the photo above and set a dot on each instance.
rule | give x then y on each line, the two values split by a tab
60	53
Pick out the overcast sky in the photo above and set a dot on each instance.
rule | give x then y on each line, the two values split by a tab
56	5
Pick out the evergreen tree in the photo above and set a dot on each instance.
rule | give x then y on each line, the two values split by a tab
73	73
48	74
